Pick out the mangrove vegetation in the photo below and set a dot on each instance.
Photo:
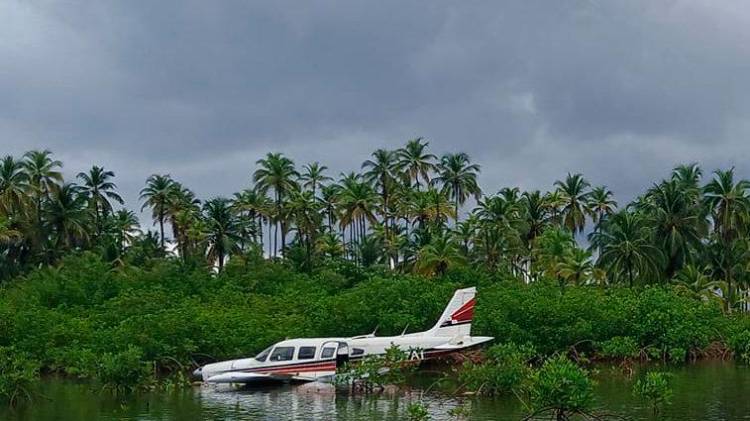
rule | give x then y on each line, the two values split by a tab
87	292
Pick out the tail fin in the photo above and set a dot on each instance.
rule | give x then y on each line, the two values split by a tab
457	316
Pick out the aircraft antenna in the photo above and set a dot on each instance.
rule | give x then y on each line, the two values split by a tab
404	332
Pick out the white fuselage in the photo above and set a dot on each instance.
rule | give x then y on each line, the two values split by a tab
325	355
310	359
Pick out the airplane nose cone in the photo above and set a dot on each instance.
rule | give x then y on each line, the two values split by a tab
198	374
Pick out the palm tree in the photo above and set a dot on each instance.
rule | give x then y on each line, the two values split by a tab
458	178
576	268
678	223
357	203
430	206
554	201
221	230
183	210
381	170
276	173
68	215
314	176
8	235
500	227
125	226
499	211
100	190
304	211
600	203
14	186
329	245
438	256
728	261
536	218
689	175
465	232
535	213
157	195
697	282
330	202
414	162
553	248
626	250
256	206
729	203
575	196
44	174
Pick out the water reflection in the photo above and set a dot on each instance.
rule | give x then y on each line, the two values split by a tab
711	391
315	401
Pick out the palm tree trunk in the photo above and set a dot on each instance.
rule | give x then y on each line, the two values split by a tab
161	227
259	221
283	236
456	193
270	239
729	293
630	275
275	237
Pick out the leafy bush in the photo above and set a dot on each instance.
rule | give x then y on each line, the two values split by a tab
504	370
739	343
125	371
561	388
619	347
655	318
374	372
417	411
18	375
655	388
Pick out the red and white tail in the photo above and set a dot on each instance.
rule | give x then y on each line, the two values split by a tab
457	316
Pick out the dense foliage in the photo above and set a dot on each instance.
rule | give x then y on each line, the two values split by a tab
84	291
403	212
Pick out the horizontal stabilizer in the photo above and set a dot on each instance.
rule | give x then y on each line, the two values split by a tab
464	342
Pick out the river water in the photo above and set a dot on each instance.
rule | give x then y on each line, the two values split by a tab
705	391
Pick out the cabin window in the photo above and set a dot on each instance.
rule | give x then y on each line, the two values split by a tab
327	352
263	354
306	353
282	353
357	351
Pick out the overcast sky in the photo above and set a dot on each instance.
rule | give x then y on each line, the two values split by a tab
618	90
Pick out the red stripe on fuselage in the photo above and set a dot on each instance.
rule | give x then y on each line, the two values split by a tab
306	366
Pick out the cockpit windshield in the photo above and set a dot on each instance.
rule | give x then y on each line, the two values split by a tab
264	354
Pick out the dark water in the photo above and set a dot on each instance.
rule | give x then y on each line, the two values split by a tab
707	391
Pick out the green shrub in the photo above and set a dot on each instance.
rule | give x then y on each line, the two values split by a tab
655	388
417	411
504	370
655	318
619	347
739	343
18	376
374	372
125	371
560	387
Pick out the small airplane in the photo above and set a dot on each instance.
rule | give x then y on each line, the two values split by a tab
316	359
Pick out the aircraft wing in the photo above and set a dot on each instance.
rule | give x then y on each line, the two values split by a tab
245	377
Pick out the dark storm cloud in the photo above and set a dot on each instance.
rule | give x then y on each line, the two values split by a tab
620	91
